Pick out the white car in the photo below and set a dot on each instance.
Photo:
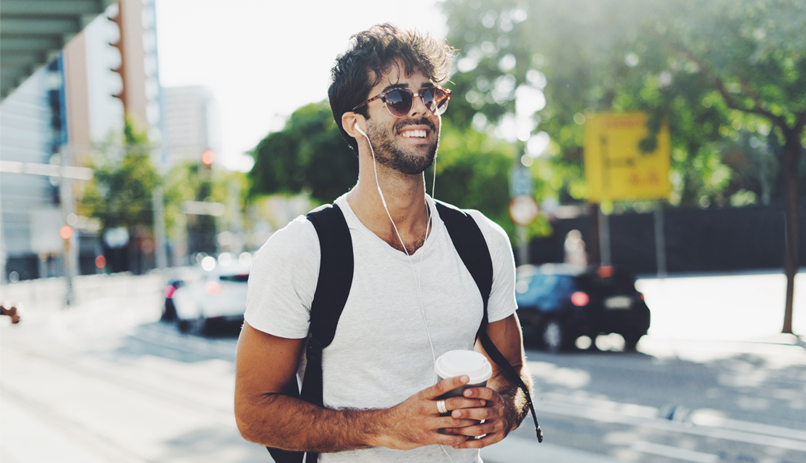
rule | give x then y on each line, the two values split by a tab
218	297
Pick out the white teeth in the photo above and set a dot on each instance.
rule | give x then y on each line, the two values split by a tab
414	133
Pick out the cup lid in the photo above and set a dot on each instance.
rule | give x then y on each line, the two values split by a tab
464	362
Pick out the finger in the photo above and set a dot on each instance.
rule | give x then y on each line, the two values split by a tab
446	385
489	439
480	429
482	393
455	403
447	422
483	413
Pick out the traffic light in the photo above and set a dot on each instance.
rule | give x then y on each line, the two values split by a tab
121	69
207	160
208	157
66	232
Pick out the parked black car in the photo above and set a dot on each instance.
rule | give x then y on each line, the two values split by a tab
558	303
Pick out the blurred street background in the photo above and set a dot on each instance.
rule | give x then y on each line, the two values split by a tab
107	381
148	148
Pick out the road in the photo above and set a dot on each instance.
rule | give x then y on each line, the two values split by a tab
105	381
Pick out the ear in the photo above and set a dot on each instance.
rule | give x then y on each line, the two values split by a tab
349	121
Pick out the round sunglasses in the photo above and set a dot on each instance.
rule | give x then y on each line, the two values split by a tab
398	101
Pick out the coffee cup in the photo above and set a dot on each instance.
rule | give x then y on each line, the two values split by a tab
463	362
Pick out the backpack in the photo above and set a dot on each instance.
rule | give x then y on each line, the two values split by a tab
333	288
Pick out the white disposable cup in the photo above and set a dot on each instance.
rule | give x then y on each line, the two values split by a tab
463	362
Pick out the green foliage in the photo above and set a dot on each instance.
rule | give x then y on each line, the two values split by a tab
184	183
473	172
707	69
307	156
181	184
120	193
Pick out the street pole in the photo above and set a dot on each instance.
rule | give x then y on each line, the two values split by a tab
236	216
160	254
523	249
660	240
70	256
604	237
522	207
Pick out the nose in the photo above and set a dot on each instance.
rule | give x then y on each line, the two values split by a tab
418	106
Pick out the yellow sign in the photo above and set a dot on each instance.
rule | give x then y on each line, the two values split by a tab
615	167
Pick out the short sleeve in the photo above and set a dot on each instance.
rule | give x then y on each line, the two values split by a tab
502	301
282	281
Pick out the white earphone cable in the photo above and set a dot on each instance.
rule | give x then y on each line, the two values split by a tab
405	250
414	273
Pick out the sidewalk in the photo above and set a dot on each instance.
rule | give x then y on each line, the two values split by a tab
723	307
516	449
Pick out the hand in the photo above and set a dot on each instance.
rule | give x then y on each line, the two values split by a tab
11	312
416	422
495	425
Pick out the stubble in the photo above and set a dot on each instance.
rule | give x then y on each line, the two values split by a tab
390	154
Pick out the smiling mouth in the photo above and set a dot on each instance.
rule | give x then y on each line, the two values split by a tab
414	134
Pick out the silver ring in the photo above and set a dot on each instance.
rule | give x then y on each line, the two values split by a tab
441	406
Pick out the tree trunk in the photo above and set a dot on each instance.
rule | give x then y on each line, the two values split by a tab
791	154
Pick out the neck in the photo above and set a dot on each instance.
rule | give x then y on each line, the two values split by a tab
405	199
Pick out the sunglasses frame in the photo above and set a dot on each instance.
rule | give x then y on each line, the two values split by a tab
414	93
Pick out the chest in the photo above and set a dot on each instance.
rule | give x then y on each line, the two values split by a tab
408	304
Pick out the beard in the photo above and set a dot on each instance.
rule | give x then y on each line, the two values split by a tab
394	156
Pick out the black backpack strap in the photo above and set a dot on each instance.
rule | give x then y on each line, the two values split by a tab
472	248
332	289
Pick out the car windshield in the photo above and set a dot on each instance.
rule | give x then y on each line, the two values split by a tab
243	278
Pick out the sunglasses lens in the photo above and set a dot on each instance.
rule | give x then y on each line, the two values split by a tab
436	100
398	102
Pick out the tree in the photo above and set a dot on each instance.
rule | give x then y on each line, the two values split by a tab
584	57
473	172
754	55
120	193
710	70
307	156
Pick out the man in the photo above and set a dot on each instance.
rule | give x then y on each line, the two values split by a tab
411	298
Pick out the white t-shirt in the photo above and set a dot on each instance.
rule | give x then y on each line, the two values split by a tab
381	353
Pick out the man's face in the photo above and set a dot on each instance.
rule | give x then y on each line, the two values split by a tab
407	144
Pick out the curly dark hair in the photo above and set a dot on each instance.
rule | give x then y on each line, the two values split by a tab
371	54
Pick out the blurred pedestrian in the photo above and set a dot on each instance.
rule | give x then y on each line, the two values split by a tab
574	248
411	298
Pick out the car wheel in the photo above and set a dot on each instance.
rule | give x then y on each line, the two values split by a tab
197	326
631	342
182	325
555	337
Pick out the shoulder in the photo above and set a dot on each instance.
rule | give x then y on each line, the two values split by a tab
486	225
282	281
494	235
491	230
297	242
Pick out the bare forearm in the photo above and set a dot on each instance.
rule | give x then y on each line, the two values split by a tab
290	423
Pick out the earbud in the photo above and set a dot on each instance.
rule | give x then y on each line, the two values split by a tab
356	127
